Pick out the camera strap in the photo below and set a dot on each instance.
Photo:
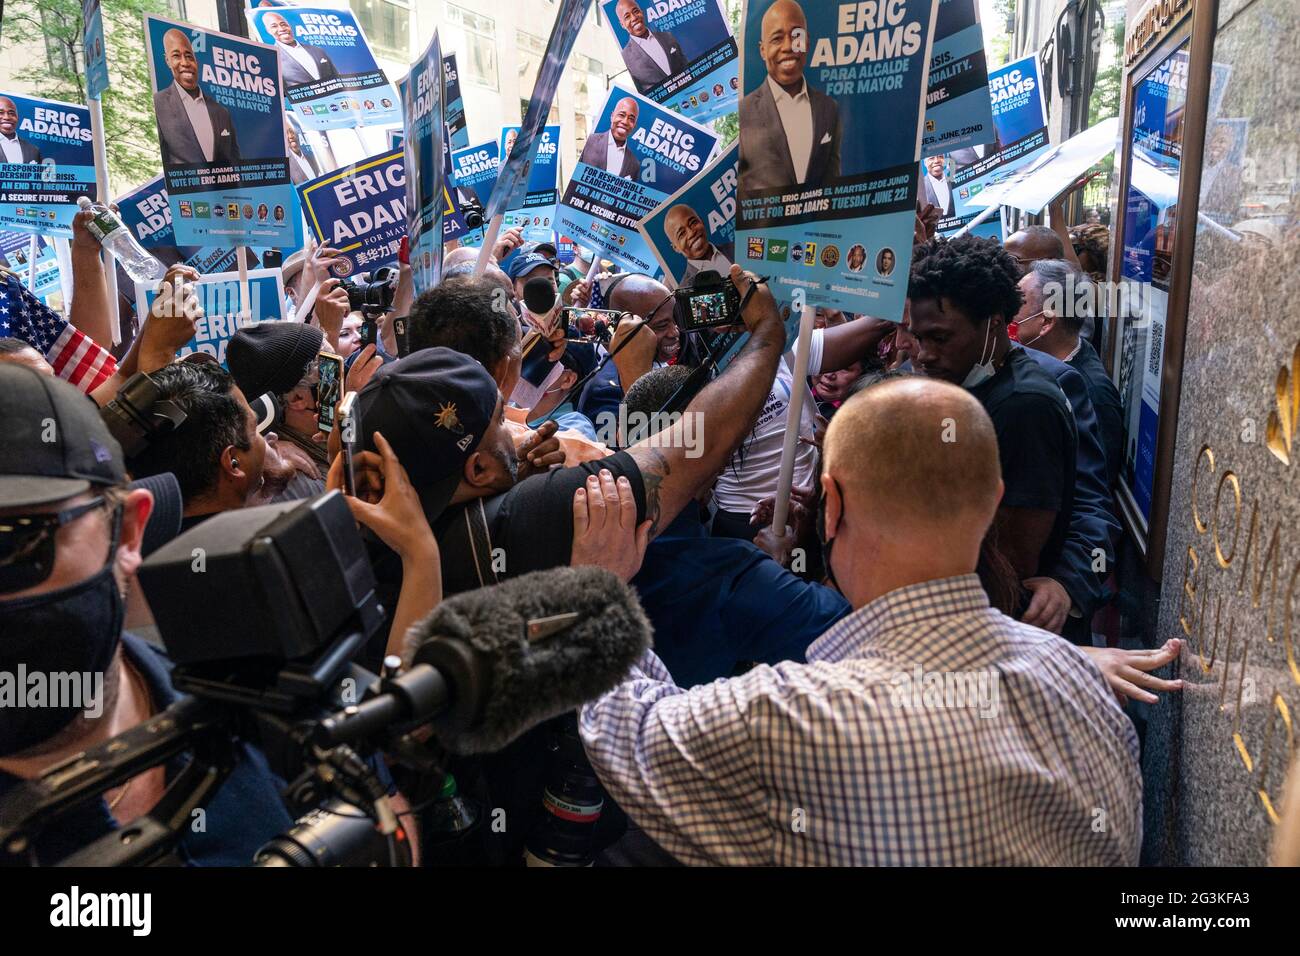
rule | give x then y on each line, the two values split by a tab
468	535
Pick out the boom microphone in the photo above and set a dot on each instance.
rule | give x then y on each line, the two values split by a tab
521	652
539	296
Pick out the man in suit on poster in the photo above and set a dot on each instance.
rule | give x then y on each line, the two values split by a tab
790	133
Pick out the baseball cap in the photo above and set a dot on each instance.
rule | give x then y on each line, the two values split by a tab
433	407
521	265
56	445
272	356
542	248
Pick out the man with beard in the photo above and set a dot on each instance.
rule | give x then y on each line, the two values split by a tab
219	457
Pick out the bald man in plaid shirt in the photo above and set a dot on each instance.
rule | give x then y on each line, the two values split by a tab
926	728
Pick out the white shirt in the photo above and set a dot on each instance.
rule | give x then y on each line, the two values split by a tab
752	473
717	263
299	53
653	49
196	107
614	154
941	189
302	164
13	152
797	121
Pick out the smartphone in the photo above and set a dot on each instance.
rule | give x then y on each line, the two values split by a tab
590	321
402	333
329	389
349	422
368	334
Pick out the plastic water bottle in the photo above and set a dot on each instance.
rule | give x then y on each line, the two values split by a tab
117	239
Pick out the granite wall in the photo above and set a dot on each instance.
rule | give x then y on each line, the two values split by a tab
1215	758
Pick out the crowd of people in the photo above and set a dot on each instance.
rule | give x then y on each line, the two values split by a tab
951	520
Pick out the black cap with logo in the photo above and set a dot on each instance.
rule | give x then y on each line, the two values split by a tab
55	444
433	407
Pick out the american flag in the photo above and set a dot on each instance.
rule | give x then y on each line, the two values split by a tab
74	355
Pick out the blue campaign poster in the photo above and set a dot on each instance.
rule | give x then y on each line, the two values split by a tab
840	178
331	79
474	172
639	154
217	103
695	229
47	161
425	155
536	217
457	124
475	168
1020	121
360	210
92	43
680	53
958	112
146	211
16	255
219	295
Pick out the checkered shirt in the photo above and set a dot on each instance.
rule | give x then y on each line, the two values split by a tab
872	753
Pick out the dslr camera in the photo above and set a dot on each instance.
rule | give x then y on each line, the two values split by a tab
374	297
709	302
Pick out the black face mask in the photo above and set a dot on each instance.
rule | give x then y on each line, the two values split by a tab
826	543
73	630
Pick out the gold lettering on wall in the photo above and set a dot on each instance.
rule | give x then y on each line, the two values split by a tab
1283	422
1223	560
1261	563
1279	708
1205	452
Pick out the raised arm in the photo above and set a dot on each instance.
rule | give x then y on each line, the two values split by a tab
89	312
720	416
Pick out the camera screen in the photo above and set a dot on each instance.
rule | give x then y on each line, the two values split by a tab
708	309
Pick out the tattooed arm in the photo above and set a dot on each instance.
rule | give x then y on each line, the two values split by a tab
688	456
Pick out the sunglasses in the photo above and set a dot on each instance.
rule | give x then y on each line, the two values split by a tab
27	545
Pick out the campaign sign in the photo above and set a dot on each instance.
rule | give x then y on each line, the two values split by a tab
47	160
426	186
217	102
695	230
219	295
92	43
680	53
147	213
1020	121
957	112
512	182
639	154
536	217
454	110
360	210
16	255
827	204
331	79
474	168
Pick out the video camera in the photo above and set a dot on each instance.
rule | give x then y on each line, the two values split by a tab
275	667
136	416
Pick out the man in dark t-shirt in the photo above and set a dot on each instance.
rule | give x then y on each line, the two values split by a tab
442	414
961	294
